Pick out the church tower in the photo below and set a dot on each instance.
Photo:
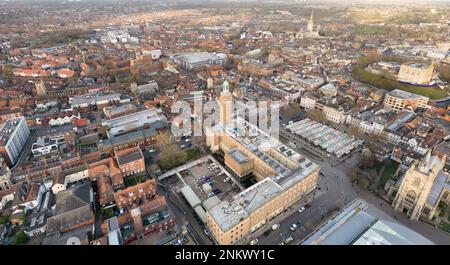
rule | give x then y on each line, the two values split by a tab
225	101
40	89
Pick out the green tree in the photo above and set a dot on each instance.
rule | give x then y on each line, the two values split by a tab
4	219
21	238
364	183
107	213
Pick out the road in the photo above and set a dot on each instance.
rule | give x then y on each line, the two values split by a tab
339	191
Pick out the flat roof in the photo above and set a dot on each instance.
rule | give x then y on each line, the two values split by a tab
239	156
384	232
405	94
257	195
190	196
135	120
198	57
354	226
227	214
8	128
93	98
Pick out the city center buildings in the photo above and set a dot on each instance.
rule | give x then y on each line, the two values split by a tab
284	176
13	136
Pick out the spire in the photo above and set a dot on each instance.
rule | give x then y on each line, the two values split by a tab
311	22
424	165
226	87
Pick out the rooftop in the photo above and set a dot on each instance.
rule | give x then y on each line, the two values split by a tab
93	98
135	120
8	128
405	94
239	156
353	225
198	57
229	213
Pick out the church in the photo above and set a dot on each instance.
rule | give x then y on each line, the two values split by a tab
420	190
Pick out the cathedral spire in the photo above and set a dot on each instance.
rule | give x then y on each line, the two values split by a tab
311	22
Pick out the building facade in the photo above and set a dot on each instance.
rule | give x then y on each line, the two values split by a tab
284	177
415	73
397	100
420	190
13	136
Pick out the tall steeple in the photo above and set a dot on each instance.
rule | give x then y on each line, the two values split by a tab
225	87
225	100
311	22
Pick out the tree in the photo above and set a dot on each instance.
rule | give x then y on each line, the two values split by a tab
171	156
163	138
317	115
364	183
4	219
107	213
21	238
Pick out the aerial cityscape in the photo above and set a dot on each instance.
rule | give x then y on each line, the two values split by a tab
215	122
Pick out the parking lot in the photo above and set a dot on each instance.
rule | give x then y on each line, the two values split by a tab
207	178
199	175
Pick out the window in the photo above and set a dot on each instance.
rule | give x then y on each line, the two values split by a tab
410	197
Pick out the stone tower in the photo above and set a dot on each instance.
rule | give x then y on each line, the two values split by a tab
416	186
209	83
40	89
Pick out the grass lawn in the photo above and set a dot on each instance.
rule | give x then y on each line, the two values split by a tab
388	173
359	73
193	153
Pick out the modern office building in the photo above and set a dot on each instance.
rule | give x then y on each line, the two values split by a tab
145	119
14	134
397	100
354	226
197	59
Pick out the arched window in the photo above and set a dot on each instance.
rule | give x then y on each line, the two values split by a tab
410	197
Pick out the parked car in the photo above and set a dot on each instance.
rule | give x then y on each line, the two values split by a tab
275	226
206	232
267	232
216	191
254	242
152	150
301	210
307	206
288	240
211	194
293	227
227	179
